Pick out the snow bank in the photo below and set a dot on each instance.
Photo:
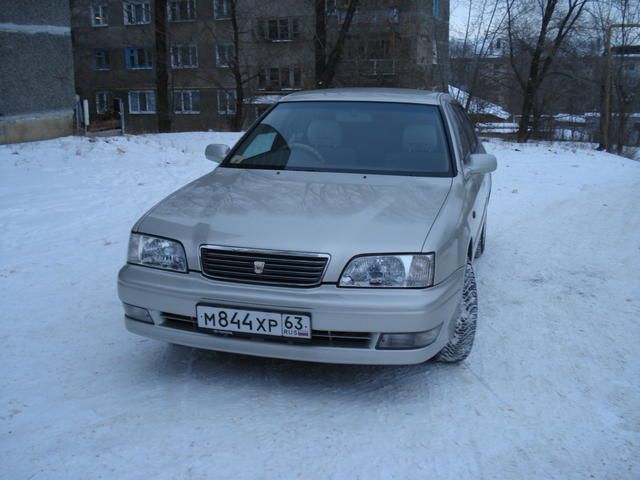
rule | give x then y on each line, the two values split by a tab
550	391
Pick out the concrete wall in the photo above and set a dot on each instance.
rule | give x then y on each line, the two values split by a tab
35	12
40	126
36	79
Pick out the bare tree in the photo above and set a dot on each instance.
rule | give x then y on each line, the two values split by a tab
239	72
327	59
542	40
483	27
624	87
163	107
602	15
238	117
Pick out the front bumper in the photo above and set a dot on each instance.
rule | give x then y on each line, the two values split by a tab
331	308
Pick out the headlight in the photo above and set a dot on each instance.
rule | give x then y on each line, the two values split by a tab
390	271
156	252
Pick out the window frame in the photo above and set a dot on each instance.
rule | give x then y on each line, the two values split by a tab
106	95
92	13
330	8
193	54
293	82
106	56
292	29
148	57
227	92
148	94
192	9
226	6
231	51
181	92
146	8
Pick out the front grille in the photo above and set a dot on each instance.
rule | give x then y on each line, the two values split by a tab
322	338
284	269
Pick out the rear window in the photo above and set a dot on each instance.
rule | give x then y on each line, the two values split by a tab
358	137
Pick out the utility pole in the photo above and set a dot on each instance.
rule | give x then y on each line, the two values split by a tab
607	85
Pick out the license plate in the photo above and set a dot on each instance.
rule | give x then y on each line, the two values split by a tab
256	322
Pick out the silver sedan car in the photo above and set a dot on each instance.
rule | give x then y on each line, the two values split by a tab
342	228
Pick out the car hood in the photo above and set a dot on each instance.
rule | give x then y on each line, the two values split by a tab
341	214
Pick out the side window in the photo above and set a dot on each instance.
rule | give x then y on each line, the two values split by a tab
462	138
471	131
465	131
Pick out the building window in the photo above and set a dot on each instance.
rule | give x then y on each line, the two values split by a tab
99	16
330	8
102	102
224	55
222	9
376	47
138	58
226	102
182	10
184	56
280	78
142	101
102	60
136	13
186	101
377	67
279	29
436	9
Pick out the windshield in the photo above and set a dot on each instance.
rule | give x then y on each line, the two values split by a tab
360	137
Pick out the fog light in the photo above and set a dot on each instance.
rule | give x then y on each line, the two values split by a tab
137	313
408	340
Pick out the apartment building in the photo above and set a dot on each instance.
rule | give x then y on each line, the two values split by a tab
400	43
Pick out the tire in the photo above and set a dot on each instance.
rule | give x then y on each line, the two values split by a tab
483	241
459	347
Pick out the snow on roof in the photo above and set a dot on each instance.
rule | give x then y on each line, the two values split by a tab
478	105
569	117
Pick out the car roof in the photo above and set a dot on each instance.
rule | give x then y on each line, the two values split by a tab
391	95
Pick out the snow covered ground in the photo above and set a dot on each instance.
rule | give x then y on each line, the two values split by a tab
551	390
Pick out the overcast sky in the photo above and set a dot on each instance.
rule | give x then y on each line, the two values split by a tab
458	17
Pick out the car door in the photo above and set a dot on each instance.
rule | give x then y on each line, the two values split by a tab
477	187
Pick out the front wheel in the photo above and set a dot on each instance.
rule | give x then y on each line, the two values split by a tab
459	347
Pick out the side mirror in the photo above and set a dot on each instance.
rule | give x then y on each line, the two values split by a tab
480	163
216	152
